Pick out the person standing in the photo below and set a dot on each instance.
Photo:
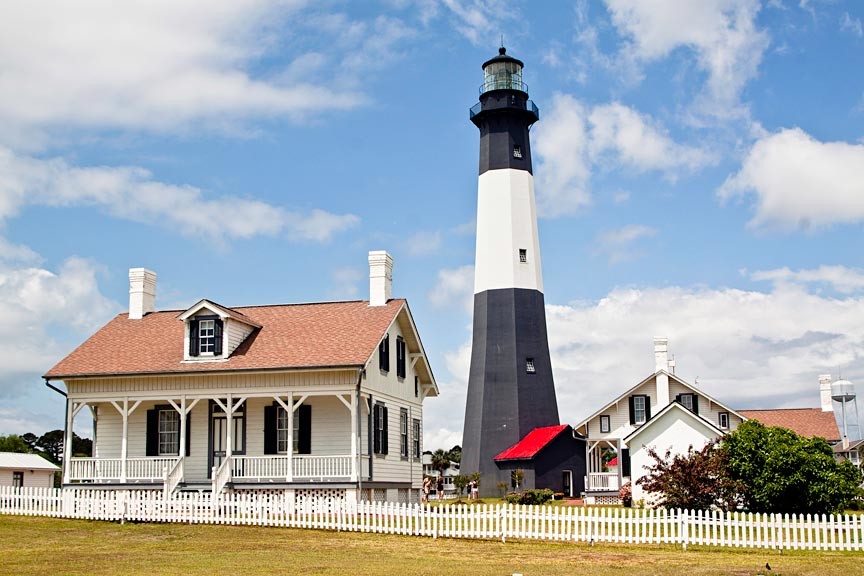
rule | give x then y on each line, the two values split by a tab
427	486
439	487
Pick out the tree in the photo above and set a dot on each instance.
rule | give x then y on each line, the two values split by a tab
13	443
783	472
456	454
440	460
51	445
696	480
461	481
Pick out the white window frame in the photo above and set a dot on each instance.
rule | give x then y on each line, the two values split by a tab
17	479
403	432
608	420
283	434
637	409
417	446
207	337
689	398
169	432
720	418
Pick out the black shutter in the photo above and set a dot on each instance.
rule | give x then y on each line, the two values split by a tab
695	404
678	398
647	407
217	332
188	432
193	338
625	462
304	444
270	429
384	433
400	357
376	419
632	411
153	432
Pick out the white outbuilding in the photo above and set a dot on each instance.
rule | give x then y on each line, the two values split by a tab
26	470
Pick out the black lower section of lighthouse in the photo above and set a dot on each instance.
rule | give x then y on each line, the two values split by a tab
511	390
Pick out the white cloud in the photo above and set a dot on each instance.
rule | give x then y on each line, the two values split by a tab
637	141
799	181
573	139
852	25
423	243
480	21
840	278
454	286
156	66
131	193
35	303
563	171
617	244
346	280
748	348
444	416
721	33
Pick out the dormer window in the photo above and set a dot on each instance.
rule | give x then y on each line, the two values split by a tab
205	336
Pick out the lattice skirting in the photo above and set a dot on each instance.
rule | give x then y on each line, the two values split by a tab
603	500
328	499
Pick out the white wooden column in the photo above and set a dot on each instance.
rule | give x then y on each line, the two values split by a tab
182	451
355	472
124	442
67	442
229	423
620	465
290	449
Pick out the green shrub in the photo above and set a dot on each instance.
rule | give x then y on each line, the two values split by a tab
529	497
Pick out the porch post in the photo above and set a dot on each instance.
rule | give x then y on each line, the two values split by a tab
229	423
620	465
290	450
352	421
182	451
67	442
123	441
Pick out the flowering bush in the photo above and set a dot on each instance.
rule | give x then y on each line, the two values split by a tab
626	495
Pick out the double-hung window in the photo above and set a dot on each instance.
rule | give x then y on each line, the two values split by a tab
169	432
403	433
723	420
400	357
206	336
283	433
416	437
379	426
17	479
639	410
605	424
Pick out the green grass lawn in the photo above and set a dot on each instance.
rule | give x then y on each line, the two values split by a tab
33	545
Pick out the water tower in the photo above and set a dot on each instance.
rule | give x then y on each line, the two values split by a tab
843	391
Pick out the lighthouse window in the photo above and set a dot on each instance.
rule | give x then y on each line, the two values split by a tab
529	366
517	152
523	255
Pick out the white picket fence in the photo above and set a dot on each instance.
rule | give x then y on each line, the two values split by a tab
499	521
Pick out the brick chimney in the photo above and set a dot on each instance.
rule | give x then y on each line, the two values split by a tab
380	277
661	362
825	393
142	292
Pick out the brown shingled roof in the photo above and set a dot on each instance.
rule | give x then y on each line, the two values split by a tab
291	336
807	422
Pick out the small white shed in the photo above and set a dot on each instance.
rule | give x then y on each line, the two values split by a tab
675	428
26	470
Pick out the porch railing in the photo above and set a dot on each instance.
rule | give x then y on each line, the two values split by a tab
602	481
111	469
222	475
322	467
174	477
280	467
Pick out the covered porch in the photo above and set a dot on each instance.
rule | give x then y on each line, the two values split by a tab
603	478
221	440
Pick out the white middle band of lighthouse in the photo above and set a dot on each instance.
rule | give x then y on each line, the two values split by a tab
506	225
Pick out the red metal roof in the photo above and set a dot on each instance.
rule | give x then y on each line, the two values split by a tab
532	443
326	334
807	422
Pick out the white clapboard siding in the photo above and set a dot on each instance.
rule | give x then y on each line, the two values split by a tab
483	521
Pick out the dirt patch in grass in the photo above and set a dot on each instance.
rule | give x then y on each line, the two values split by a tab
37	546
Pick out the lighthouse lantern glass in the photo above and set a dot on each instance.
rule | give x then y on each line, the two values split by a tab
502	76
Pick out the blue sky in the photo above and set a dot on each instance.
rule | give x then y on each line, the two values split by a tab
699	171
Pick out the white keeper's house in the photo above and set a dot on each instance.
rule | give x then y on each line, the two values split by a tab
662	412
322	399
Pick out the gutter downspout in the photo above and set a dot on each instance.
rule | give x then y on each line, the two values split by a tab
66	436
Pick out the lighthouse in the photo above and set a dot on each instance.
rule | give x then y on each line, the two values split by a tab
510	387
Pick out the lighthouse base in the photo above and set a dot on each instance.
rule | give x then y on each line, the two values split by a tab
510	386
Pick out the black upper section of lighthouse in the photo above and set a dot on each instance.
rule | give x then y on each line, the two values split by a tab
504	115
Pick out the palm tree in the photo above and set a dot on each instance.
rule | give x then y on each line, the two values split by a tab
440	460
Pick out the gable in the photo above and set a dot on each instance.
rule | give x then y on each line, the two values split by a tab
677	422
